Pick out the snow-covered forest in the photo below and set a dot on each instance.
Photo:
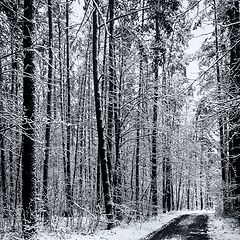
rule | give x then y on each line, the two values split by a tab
108	117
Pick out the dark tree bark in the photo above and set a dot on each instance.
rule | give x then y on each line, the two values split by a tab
137	177
3	177
111	91
168	184
154	199
201	176
101	140
178	195
234	134
2	154
62	106
28	152
220	120
68	118
49	112
138	130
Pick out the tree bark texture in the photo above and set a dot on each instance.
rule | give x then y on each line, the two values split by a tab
111	91
68	159
154	199
28	151
101	139
234	132
49	112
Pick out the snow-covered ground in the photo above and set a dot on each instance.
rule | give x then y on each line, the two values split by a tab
131	231
223	228
218	229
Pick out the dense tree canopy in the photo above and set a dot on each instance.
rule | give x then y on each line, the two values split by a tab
100	119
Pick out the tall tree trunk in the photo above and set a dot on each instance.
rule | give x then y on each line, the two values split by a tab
111	92
100	131
234	134
68	119
138	125
220	120
3	173
137	177
2	152
49	112
28	126
201	176
62	107
154	198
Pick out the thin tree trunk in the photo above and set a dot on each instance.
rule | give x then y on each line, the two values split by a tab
179	189
3	175
2	153
201	177
111	92
138	120
154	199
49	112
100	131
164	189
68	119
168	184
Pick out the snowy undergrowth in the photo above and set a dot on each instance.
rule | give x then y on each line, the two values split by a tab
220	228
130	231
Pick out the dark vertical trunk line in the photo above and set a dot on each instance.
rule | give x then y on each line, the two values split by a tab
68	119
168	184
28	153
220	121
179	189
49	112
3	176
234	131
164	205
154	199
201	177
138	121
101	140
2	154
62	107
111	92
188	193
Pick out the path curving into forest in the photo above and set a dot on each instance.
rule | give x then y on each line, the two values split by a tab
185	227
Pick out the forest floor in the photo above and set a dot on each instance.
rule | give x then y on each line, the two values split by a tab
200	225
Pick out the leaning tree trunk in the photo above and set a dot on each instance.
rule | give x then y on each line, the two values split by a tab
28	126
101	139
49	110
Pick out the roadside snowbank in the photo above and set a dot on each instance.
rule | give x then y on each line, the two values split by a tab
132	231
218	229
223	228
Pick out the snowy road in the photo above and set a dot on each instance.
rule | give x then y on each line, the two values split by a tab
185	227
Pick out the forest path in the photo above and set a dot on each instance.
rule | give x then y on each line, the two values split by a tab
185	227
